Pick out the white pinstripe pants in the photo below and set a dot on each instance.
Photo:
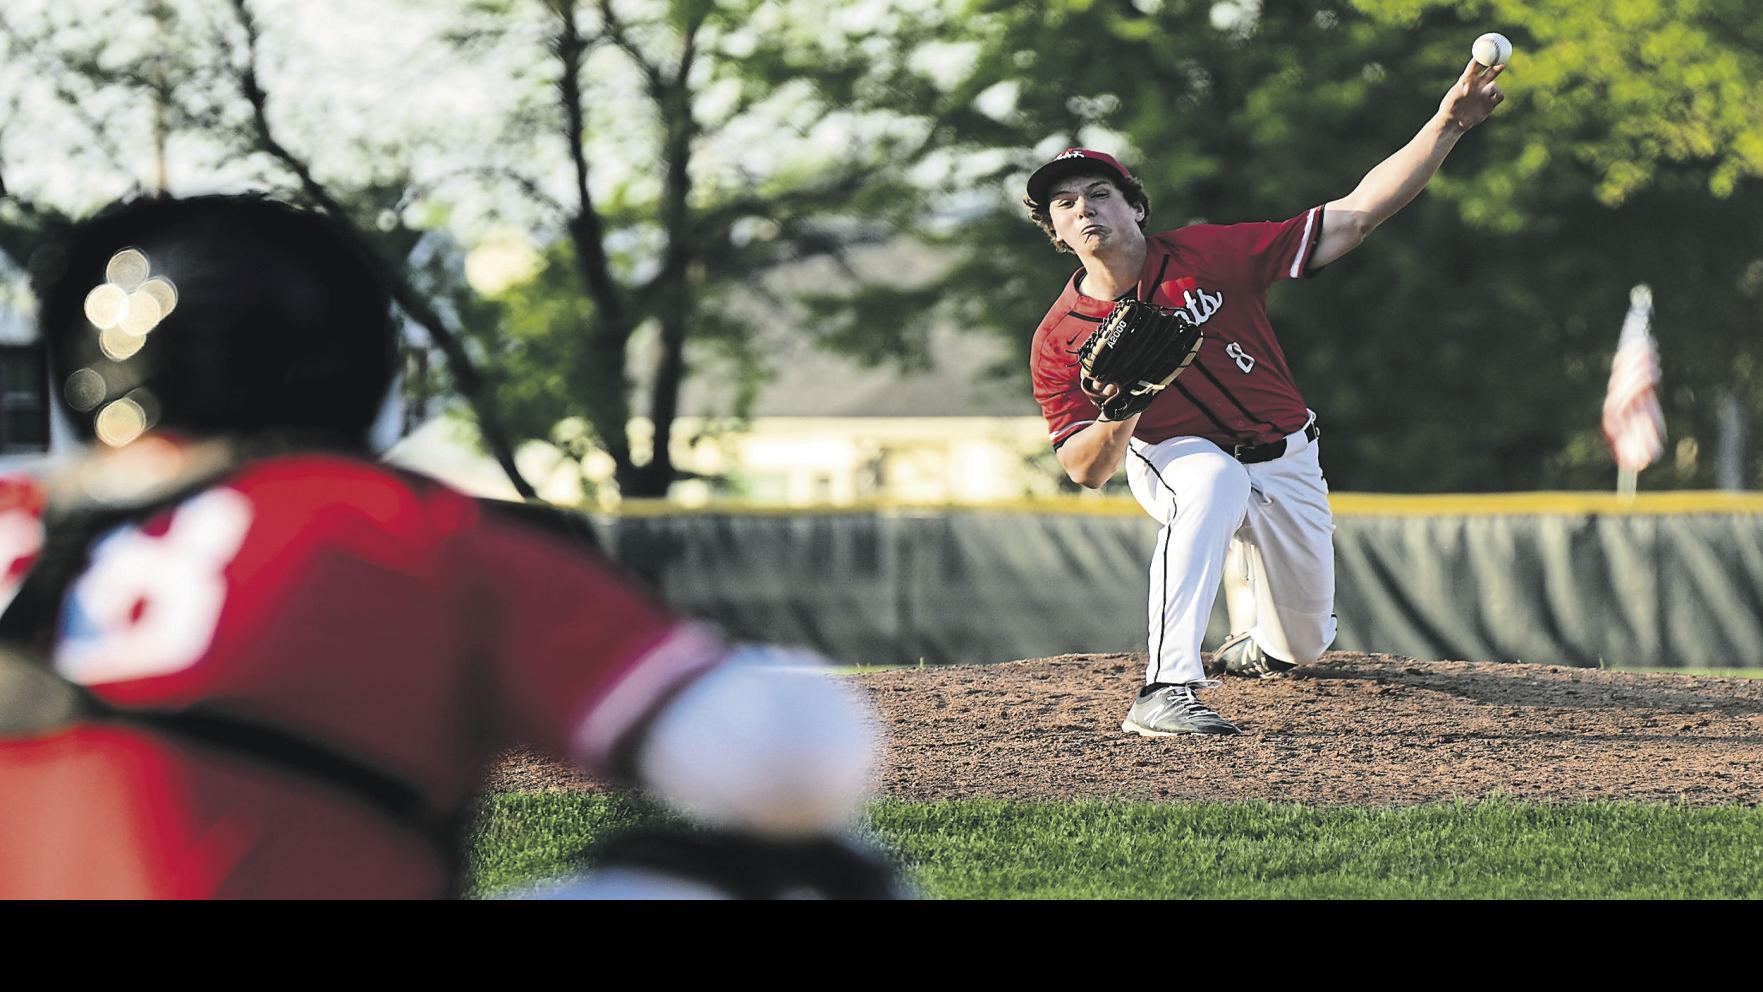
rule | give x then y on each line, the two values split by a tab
1271	520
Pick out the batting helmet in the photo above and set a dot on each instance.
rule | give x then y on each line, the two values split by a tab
215	315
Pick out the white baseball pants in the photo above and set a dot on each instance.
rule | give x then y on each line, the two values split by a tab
1270	520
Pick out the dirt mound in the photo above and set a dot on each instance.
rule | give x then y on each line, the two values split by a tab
1352	729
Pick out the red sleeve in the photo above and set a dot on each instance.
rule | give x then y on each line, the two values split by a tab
1062	401
580	656
1259	255
21	532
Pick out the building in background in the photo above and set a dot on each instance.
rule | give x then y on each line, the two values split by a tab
822	430
829	431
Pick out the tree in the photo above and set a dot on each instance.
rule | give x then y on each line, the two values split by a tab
841	112
212	88
1464	347
664	152
1635	87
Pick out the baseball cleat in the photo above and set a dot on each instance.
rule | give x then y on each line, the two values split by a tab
1240	655
1168	710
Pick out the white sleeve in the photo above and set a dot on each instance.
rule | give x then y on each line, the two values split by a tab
766	742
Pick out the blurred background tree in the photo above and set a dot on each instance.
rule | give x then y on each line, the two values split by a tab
660	154
1466	346
101	93
646	162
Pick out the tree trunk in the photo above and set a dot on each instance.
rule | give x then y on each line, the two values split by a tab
602	373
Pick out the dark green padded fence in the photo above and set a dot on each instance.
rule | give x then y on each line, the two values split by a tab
1660	581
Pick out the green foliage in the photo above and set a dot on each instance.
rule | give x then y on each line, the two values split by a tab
993	849
519	839
763	133
1466	345
534	341
664	153
1635	86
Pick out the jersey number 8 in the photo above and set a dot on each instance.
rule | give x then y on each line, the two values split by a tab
148	604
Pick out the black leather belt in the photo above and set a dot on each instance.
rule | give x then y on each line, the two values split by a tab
1250	454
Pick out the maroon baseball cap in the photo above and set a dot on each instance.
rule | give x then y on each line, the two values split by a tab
1070	161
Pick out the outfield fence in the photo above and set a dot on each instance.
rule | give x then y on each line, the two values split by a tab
1666	580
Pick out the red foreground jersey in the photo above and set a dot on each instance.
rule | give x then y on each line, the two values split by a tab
382	617
1239	389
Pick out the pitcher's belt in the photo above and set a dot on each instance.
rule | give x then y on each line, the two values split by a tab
1250	454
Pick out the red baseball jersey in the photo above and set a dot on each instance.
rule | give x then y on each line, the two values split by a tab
1239	389
378	615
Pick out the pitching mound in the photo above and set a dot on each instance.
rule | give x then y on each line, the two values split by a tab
1353	729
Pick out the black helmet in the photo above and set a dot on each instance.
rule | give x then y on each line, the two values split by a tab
212	315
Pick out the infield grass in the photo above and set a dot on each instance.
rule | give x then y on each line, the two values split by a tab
991	849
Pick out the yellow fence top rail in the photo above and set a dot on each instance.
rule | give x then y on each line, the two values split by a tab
1344	505
1543	503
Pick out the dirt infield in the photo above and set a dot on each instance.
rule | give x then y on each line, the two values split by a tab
1352	729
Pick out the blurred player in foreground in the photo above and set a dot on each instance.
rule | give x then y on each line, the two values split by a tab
242	660
1225	458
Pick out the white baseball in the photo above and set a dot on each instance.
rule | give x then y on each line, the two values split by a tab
1492	49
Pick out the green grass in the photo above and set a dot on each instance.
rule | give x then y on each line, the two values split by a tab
522	837
989	849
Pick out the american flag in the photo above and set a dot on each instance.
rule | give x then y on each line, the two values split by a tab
1634	426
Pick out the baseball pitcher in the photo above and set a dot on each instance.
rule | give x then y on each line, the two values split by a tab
1225	457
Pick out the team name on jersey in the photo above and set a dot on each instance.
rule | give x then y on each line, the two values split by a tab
1201	305
1198	306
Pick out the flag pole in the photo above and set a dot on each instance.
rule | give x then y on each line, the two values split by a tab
1625	481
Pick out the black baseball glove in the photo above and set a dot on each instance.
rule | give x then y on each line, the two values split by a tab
1139	348
743	866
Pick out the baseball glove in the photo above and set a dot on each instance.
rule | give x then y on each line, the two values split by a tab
1139	348
742	866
